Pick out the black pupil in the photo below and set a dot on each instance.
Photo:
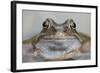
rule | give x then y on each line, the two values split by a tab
74	25
45	25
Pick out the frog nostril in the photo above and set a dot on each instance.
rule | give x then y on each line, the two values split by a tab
65	29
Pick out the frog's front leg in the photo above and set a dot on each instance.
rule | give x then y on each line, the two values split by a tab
79	53
73	54
36	52
36	39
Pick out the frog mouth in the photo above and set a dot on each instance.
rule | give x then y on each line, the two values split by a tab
58	37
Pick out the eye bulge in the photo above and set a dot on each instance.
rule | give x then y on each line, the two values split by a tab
45	24
49	23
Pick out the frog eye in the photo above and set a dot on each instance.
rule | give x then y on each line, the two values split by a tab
73	25
45	24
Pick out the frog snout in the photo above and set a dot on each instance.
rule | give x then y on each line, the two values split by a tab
60	34
59	31
59	28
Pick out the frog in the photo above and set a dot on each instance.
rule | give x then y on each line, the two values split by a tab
59	41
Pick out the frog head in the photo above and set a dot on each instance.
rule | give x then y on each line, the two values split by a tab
50	27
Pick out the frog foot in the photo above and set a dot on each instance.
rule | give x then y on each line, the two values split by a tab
73	54
36	52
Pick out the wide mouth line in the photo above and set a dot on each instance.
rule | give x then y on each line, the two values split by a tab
59	38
